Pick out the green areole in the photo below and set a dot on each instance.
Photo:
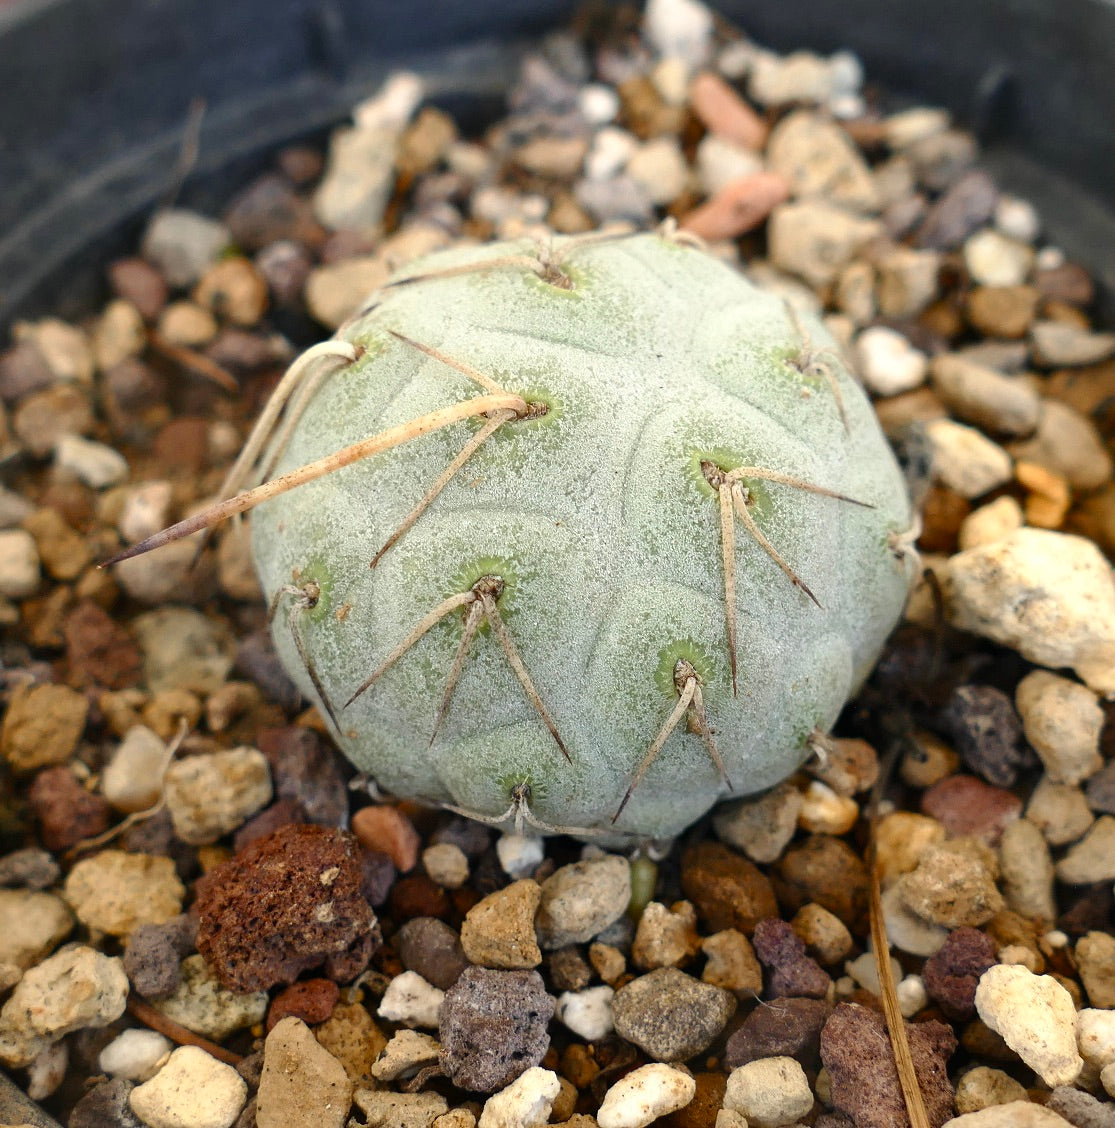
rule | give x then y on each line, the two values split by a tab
584	538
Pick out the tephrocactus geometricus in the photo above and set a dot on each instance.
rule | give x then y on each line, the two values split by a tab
586	537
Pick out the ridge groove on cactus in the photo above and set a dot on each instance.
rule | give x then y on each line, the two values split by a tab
581	538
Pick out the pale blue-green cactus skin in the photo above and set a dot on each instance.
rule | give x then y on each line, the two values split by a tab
607	536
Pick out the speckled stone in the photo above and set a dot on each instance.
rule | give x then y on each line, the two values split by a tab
671	1016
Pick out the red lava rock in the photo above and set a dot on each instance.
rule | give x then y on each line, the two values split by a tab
952	973
856	1051
282	813
968	806
291	901
67	813
311	1000
305	769
154	952
725	113
385	828
727	890
780	1028
138	282
790	972
99	650
418	896
828	871
987	733
740	206
433	950
493	1027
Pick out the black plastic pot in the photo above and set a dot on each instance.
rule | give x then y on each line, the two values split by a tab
95	94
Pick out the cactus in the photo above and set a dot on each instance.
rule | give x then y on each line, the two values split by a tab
585	538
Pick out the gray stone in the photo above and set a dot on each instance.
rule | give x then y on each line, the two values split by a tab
671	1016
182	244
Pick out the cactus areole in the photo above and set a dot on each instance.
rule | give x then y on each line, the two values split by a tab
611	535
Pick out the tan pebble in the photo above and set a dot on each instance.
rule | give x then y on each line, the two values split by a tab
983	1087
907	281
424	142
557	157
990	522
825	812
1095	958
1067	443
115	892
43	418
42	726
498	931
732	963
608	962
665	937
929	762
187	325
848	766
723	112
351	1035
825	936
446	864
1063	722
302	1085
740	206
119	334
1059	811
386	829
1048	495
954	884
64	553
167	709
230	701
1003	311
900	840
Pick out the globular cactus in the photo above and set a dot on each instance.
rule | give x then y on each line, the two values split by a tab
587	538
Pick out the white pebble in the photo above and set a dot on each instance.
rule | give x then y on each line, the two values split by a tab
1017	218
966	460
135	1054
735	59
1062	720
587	1013
682	28
525	1103
145	511
671	80
994	259
133	777
519	855
203	1005
599	104
645	1094
912	996
908	127
659	167
770	1092
193	1090
1047	595
1013	1114
1049	258
392	105
1096	1036
215	792
990	523
19	564
446	864
865	971
409	999
720	161
612	148
1036	1018
97	465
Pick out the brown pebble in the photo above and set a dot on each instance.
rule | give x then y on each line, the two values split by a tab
23	371
644	112
1069	282
67	813
1048	495
856	1052
269	210
828	871
99	650
385	828
727	890
418	896
44	417
944	513
311	1000
64	552
849	766
723	112
968	806
138	282
781	1028
1003	311
740	206
183	443
299	887
702	1109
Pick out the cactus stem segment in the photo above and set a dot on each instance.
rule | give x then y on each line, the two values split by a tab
691	705
304	598
481	600
493	424
375	444
432	619
813	362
